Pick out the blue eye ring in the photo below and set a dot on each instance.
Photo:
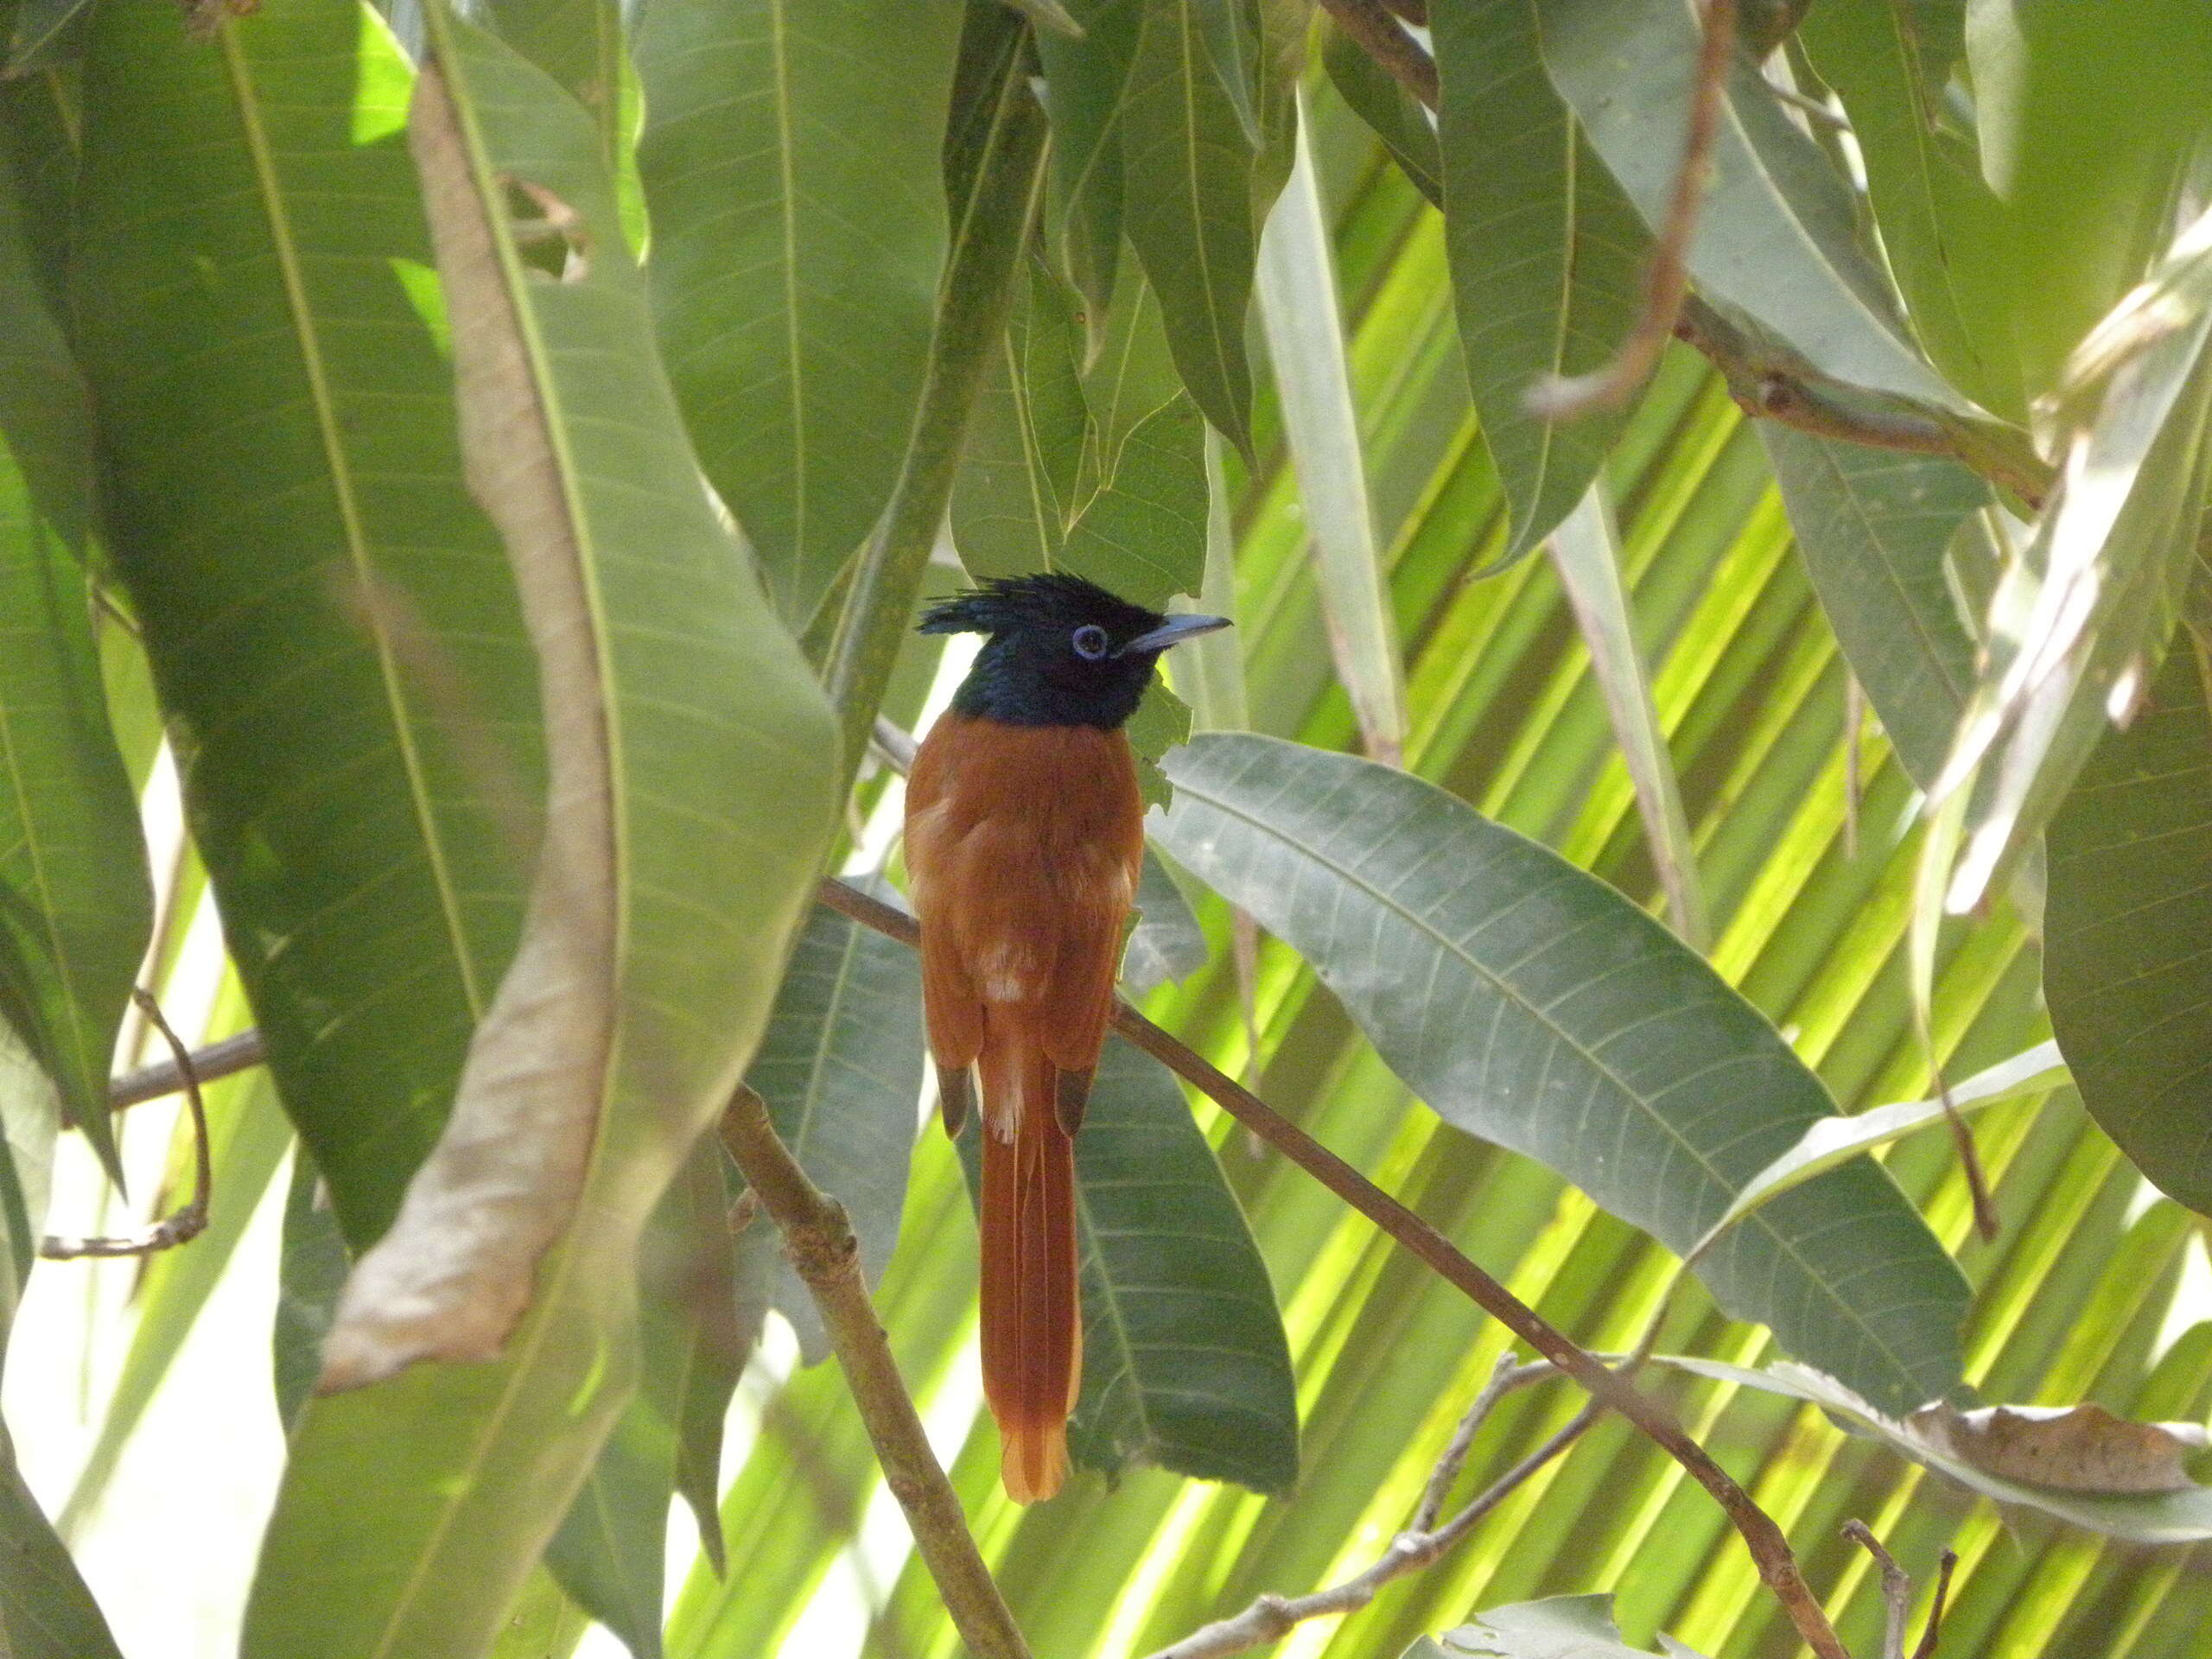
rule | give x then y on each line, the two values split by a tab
1090	642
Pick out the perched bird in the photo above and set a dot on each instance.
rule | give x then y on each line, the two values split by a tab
1024	834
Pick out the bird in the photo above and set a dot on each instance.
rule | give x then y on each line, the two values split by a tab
1024	835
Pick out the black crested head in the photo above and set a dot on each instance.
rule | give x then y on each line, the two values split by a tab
1061	651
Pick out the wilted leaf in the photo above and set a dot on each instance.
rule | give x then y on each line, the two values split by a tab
1532	1005
1545	252
2076	1449
2126	923
2176	1517
1562	1627
1873	526
789	159
1777	239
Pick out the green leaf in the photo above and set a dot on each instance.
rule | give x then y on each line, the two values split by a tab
1585	551
1184	1364
1143	534
1831	1141
1559	1627
76	906
330	619
1380	100
1168	944
1230	31
1533	1006
578	42
2125	924
46	1612
789	159
1776	238
841	1069
1873	526
1306	347
311	1268
47	32
1188	169
414	1507
1544	251
1209	671
1945	231
1087	84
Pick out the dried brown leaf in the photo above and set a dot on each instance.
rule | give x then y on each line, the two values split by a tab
2075	1449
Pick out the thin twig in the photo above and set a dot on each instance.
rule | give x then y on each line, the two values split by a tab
1271	1618
209	1064
1897	1588
181	1226
1369	22
1934	1632
1811	108
1666	275
819	1241
1769	1549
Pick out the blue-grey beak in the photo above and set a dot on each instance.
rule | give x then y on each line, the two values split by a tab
1174	631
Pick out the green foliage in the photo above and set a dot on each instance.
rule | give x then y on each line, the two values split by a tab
400	545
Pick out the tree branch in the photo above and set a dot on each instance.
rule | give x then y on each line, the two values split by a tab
1665	274
819	1242
1271	1618
1770	1548
186	1222
1369	22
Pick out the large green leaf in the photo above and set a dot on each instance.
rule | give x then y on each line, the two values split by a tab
1944	229
1187	169
1873	526
841	1069
1184	1364
1775	237
1544	251
1533	1006
1088	81
330	620
1381	101
1562	1627
1144	533
2124	928
75	904
414	1507
46	1612
790	158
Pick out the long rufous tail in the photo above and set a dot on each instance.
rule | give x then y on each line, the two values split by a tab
1032	1332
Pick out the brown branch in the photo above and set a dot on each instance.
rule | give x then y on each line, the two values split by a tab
1271	1618
1770	1548
181	1226
216	1061
819	1241
1369	22
1897	1588
1665	274
1934	1632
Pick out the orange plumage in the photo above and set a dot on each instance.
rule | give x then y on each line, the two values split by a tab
1025	830
1024	843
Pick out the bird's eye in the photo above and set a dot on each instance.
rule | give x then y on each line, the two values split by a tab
1090	642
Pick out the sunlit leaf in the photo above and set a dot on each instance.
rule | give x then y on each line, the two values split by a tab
1167	946
1563	1627
1533	1006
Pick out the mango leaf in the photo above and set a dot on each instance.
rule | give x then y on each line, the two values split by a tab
1947	235
1209	671
790	160
311	1266
1306	348
1559	1627
2172	1516
46	32
1378	98
1532	1005
1086	86
413	1509
2082	610
1835	1141
1167	946
1187	170
330	619
1144	533
1777	239
1231	30
2125	922
1873	526
1184	1364
841	1069
76	905
46	1612
1544	251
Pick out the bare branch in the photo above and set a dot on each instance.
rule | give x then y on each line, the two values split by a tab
1666	275
1770	1548
181	1226
819	1242
1270	1617
216	1061
1929	1637
1897	1588
1369	22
